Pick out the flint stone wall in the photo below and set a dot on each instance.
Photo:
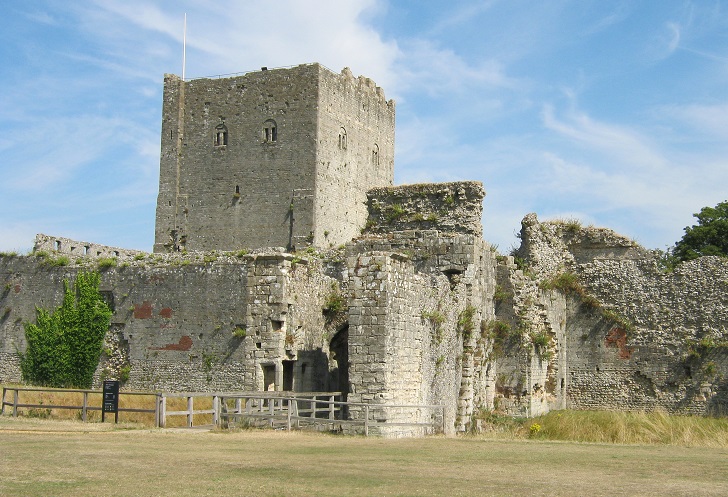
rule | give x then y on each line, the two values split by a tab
176	323
655	340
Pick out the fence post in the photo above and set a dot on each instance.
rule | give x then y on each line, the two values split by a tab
163	411
332	407
216	410
156	411
313	406
85	405
366	420
288	415
190	406
2	403
271	409
15	403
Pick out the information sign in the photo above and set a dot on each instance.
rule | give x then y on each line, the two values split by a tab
111	399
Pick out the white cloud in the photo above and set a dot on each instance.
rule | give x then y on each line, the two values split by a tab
242	36
673	37
68	144
711	119
619	142
429	69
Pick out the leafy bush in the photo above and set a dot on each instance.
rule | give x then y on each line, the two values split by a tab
436	318
64	346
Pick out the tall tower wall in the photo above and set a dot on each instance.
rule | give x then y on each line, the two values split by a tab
236	153
355	153
274	158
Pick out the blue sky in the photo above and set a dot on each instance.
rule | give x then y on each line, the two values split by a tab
611	112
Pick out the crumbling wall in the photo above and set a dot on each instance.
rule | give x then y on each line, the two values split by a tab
636	337
445	207
446	276
75	248
196	322
531	355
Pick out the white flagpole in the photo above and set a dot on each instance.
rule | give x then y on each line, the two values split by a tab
184	48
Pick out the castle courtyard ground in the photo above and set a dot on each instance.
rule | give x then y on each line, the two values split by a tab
41	457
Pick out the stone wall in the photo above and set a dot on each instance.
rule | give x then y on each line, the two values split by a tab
434	289
75	248
446	207
225	182
630	334
259	160
190	325
411	312
355	153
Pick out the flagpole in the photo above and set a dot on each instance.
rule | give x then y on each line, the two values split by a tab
184	47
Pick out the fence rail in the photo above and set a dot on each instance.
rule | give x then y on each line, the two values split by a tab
85	406
284	410
294	410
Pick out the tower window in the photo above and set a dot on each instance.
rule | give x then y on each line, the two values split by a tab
342	139
221	134
375	155
270	131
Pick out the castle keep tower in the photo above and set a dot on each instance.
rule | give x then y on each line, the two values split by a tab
275	158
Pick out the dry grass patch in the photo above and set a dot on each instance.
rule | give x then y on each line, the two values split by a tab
157	462
655	427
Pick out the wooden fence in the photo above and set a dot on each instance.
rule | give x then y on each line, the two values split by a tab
298	410
282	410
88	402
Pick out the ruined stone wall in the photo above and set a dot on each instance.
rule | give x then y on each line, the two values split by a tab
445	207
636	337
434	289
75	248
531	355
355	153
183	323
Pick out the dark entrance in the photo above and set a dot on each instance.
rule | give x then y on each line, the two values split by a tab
339	362
288	375
269	377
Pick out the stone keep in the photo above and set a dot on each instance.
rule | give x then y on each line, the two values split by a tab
274	158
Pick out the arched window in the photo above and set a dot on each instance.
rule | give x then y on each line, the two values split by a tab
221	134
342	139
375	155
270	131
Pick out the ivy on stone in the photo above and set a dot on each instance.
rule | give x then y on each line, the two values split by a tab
64	346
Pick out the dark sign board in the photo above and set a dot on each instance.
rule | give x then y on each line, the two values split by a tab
111	399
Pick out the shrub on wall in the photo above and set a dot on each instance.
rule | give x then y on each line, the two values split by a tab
64	346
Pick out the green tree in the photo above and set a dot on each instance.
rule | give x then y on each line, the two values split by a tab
708	237
64	346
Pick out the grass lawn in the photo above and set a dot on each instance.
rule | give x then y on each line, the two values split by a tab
43	457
